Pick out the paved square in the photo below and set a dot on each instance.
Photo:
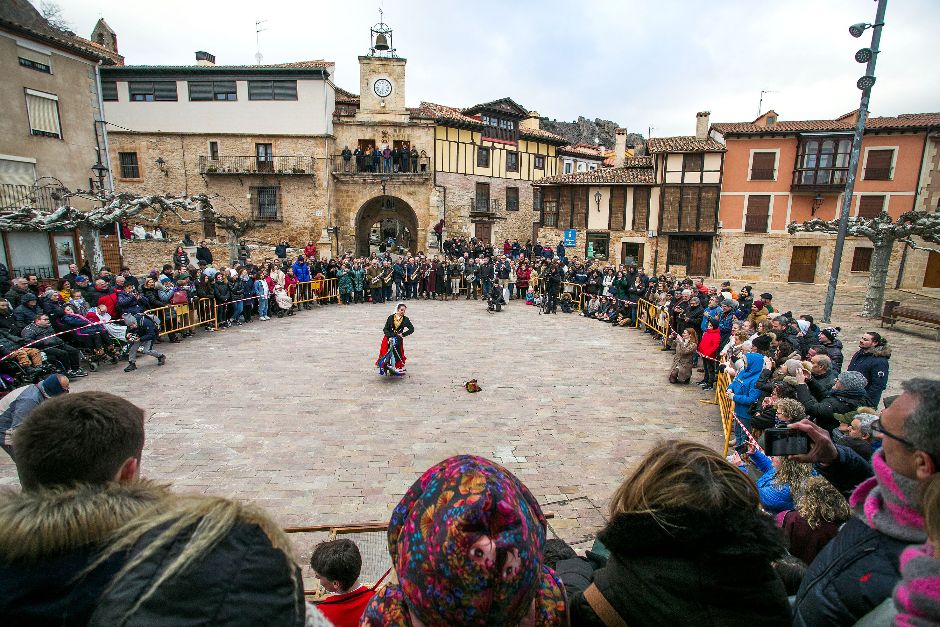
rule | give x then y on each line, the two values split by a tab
292	415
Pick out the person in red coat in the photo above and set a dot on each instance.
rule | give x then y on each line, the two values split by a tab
310	250
337	565
708	349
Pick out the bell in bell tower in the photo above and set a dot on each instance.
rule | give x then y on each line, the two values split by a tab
380	44
381	77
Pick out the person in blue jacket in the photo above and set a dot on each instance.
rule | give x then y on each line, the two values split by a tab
302	274
779	474
871	359
744	391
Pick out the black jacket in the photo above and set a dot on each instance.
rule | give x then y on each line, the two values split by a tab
694	569
874	364
834	402
405	330
204	255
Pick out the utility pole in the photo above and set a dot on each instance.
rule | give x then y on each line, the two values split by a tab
258	31
865	83
760	103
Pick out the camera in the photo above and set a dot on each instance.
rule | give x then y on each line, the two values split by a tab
782	442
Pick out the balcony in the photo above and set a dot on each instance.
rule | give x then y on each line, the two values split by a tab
43	197
252	165
823	180
501	134
482	208
368	167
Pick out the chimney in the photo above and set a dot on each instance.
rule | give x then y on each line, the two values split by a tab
701	124
620	146
531	121
204	58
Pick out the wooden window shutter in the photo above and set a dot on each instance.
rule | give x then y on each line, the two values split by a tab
200	90
670	221
109	91
861	259
564	206
641	208
878	165
758	210
618	208
762	166
752	255
579	216
870	206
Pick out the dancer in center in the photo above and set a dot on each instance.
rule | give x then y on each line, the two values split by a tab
392	353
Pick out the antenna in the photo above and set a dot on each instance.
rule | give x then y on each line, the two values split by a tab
760	104
258	31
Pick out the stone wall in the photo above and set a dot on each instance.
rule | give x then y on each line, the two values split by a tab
460	194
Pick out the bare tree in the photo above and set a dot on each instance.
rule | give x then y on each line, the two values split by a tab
883	233
52	13
118	207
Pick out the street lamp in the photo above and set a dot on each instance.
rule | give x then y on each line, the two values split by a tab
100	171
865	83
597	200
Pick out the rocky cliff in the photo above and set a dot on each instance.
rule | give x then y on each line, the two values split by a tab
585	131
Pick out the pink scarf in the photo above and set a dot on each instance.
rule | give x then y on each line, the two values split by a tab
887	502
917	596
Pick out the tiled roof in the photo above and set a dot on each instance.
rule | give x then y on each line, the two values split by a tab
683	143
582	150
628	175
540	135
346	97
22	16
443	113
844	123
311	63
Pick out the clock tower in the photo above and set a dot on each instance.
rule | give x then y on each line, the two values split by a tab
382	79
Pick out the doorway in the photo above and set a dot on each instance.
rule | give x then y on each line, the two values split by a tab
483	231
385	217
803	264
631	254
932	275
692	251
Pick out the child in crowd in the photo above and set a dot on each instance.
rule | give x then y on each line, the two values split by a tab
337	565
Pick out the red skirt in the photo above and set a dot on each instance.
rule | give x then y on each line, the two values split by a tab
383	350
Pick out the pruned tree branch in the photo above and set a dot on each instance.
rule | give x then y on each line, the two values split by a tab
910	242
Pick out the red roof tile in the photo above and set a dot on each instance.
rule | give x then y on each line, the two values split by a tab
633	174
683	143
843	123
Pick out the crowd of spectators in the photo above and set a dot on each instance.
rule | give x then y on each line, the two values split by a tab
843	533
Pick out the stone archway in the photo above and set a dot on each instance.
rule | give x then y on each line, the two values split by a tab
389	216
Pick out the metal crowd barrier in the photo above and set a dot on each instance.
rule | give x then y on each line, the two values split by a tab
315	291
577	293
648	314
725	406
177	318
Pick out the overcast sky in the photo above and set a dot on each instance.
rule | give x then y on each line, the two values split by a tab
640	63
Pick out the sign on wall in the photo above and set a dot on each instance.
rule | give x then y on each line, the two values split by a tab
571	237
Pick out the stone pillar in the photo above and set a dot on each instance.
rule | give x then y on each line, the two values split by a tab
701	124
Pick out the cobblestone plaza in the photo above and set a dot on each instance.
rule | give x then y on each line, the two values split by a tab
291	413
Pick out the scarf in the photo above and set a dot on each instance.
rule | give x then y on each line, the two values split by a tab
917	596
887	503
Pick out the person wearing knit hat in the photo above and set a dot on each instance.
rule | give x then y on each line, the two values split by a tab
20	402
851	380
847	393
829	339
466	544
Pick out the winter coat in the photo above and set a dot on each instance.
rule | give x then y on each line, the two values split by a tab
805	542
697	568
128	303
834	350
109	299
49	538
181	260
146	328
221	291
24	315
261	289
15	295
301	271
204	255
834	402
682	362
80	324
280	251
694	315
710	312
358	275
310	250
873	363
204	290
756	317
709	344
745	387
775	498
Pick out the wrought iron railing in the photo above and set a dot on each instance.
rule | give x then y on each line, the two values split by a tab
485	205
370	165
253	164
43	197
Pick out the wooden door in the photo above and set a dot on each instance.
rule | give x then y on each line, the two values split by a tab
932	275
803	264
700	257
484	231
634	250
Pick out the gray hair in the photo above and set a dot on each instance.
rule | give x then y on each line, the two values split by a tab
822	360
923	425
864	422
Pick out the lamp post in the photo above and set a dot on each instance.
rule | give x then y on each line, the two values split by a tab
865	83
100	171
597	200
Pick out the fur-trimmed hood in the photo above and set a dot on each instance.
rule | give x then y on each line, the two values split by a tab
683	533
36	524
878	351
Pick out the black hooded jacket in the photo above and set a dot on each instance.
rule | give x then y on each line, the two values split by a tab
686	568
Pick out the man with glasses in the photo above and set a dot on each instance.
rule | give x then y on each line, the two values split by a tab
858	569
20	402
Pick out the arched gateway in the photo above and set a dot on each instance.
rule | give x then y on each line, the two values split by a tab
382	217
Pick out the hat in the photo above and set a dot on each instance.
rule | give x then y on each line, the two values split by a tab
28	297
830	332
81	278
847	417
727	303
52	386
761	343
758	304
853	381
166	279
466	542
767	296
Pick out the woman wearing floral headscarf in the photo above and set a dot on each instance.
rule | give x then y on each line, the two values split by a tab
466	543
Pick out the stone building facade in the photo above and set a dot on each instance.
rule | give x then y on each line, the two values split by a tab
778	172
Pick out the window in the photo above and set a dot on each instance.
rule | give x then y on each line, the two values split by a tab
536	199
771	119
758	211
150	91
870	206
569	166
752	255
598	245
549	212
822	162
43	110
693	162
483	157
592	167
641	208
861	259
212	90
512	199
129	167
265	203
482	198
582	166
214	150
512	161
264	157
34	60
109	91
763	166
878	165
539	162
272	90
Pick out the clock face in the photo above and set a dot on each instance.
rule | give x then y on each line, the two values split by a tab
382	87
